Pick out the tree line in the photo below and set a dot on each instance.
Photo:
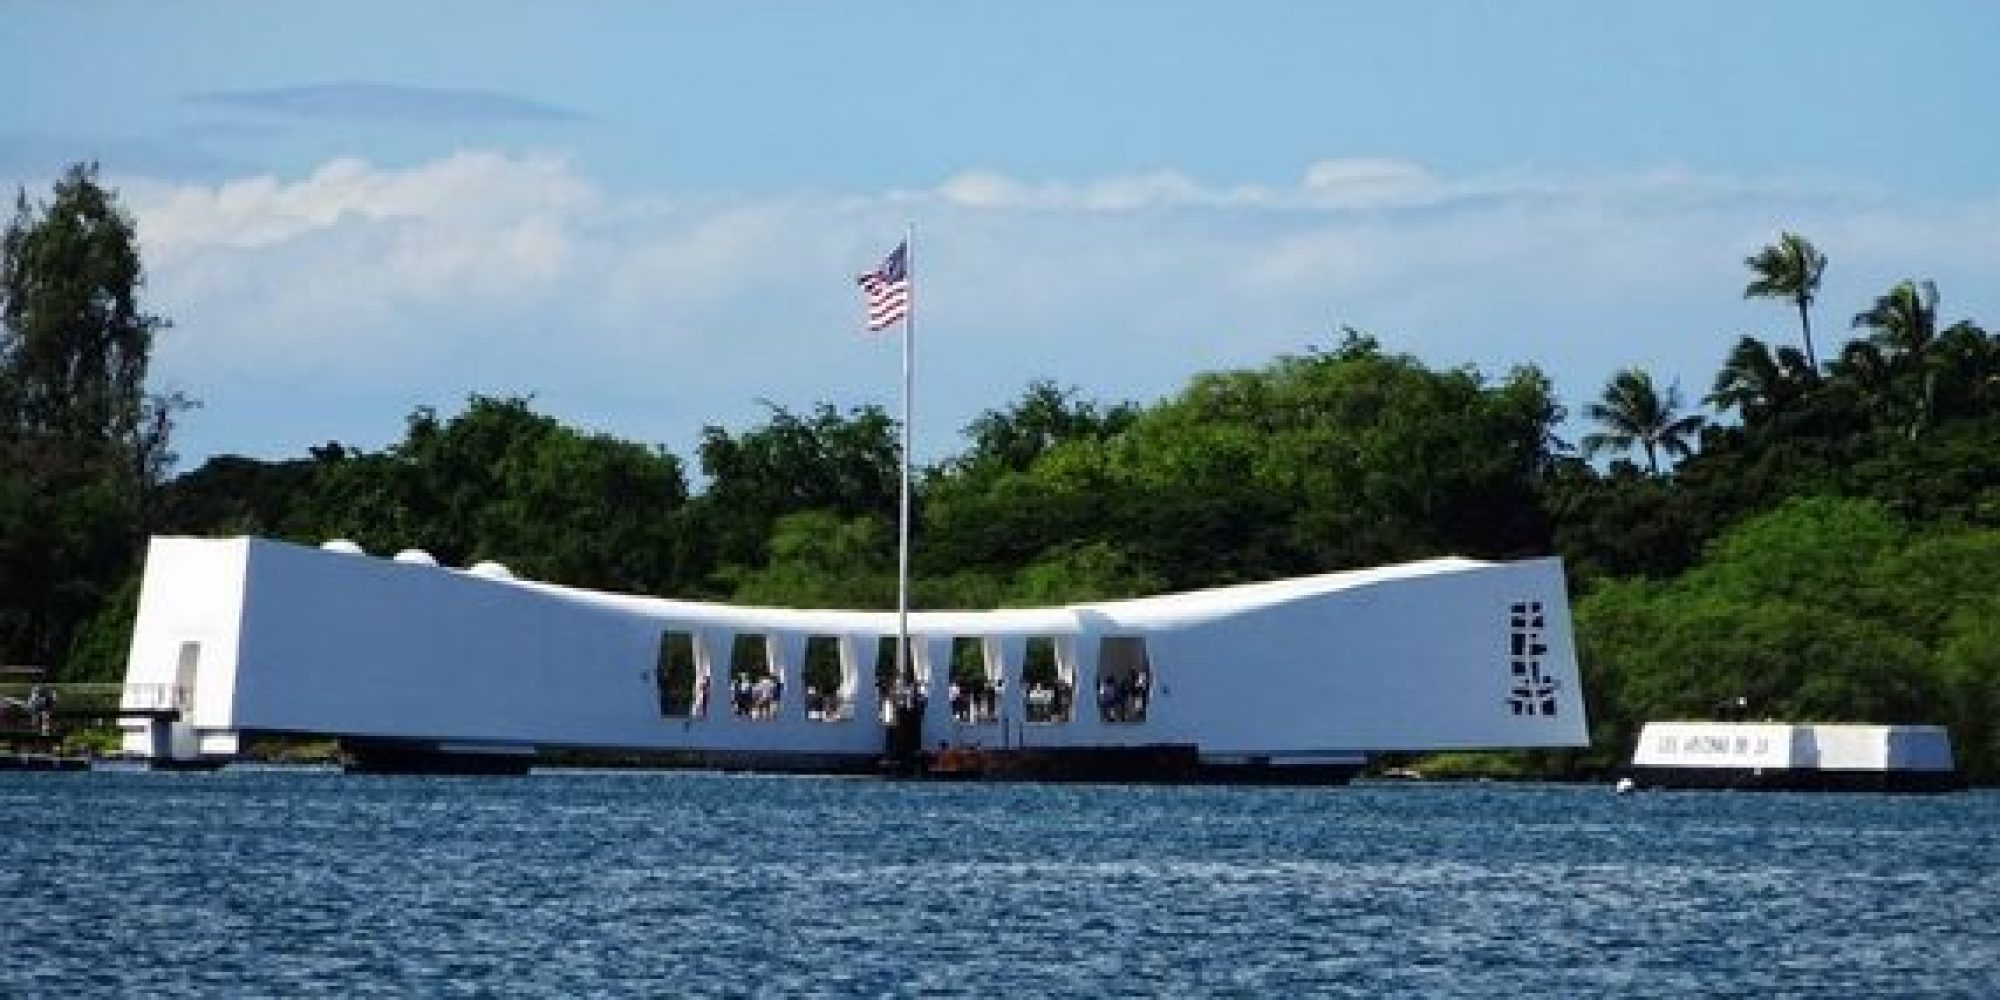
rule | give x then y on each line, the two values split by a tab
1810	547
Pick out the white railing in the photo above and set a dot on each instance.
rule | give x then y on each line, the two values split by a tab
153	697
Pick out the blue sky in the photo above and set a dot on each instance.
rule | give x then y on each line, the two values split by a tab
648	215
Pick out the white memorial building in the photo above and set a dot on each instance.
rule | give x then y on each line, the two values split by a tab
242	636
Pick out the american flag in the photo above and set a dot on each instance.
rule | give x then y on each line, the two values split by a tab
887	289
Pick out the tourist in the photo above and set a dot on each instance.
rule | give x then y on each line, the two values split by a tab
1041	703
763	697
41	707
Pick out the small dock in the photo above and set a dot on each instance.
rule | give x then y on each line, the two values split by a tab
37	717
25	760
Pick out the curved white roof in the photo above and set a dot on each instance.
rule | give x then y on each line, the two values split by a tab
1143	612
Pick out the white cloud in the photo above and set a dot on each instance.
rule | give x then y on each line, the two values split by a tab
461	191
1369	182
328	305
986	189
1326	184
326	271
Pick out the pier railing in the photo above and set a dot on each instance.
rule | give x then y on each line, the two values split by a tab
73	704
69	695
154	697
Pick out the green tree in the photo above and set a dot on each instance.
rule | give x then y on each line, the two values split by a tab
1822	610
1918	375
819	560
848	464
592	510
1623	523
234	495
1035	475
1903	320
76	342
1333	458
1012	438
1970	666
1789	269
82	443
1098	571
1902	327
1633	412
1757	382
497	481
1966	361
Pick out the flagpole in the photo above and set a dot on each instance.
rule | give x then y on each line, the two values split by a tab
905	670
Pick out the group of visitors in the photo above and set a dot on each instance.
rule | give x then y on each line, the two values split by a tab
757	697
1049	702
1122	697
976	700
899	695
824	705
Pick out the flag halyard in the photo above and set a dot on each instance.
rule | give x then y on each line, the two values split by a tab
886	290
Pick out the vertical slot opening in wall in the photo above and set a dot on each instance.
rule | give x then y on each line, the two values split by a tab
1048	680
975	681
828	680
186	669
1124	679
888	687
677	672
757	690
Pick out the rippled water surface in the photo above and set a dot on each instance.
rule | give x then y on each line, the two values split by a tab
305	883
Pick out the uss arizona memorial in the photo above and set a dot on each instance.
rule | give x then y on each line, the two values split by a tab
404	660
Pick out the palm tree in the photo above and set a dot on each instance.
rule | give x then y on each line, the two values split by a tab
1903	329
1757	382
1967	362
1789	269
1864	366
1903	320
1634	412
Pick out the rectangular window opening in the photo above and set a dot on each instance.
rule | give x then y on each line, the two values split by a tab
682	684
1124	679
1050	685
828	680
975	681
757	689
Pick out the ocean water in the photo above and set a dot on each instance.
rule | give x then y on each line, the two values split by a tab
311	883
